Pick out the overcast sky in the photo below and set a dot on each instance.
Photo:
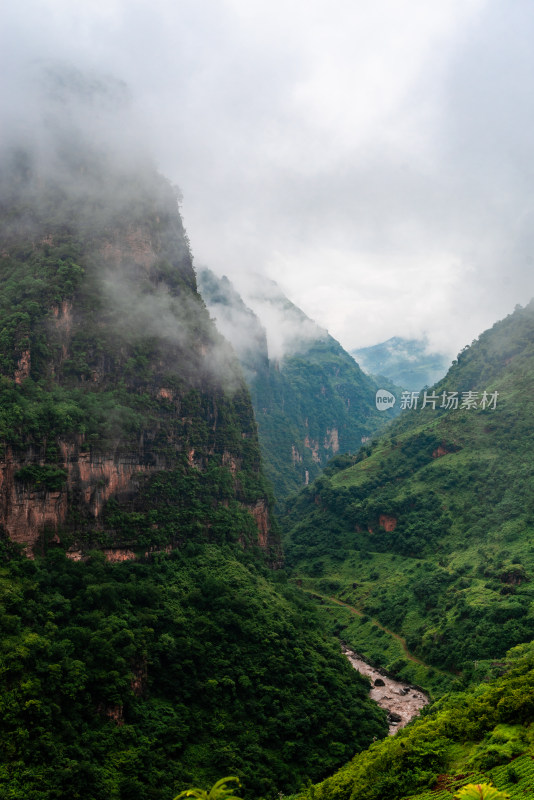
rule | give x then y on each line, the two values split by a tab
376	159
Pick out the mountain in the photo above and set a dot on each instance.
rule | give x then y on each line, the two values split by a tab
149	638
405	362
118	395
429	530
311	399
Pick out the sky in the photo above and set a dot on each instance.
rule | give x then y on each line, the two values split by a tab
375	159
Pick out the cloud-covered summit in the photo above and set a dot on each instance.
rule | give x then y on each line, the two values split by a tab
373	160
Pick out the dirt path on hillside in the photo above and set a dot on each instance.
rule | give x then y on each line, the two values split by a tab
401	700
394	635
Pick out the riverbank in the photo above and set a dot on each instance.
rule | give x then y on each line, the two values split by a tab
401	700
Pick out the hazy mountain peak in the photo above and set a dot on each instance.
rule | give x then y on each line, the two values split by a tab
288	329
407	362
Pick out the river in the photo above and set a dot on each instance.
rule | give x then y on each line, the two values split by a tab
401	700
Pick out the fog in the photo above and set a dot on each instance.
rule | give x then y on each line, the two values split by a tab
376	161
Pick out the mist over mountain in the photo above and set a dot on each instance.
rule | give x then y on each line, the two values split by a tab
406	362
311	400
154	634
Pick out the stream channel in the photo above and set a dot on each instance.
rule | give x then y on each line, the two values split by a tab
401	700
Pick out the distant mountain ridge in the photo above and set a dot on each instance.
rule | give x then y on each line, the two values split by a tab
406	362
311	400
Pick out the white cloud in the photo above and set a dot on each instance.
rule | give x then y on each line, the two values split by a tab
375	159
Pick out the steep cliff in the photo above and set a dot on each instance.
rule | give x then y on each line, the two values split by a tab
124	416
311	400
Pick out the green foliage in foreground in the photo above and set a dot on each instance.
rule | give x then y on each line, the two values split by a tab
474	735
132	681
219	791
481	791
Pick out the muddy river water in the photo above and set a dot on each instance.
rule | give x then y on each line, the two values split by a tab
401	700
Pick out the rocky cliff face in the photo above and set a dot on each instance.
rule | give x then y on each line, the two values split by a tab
125	420
310	398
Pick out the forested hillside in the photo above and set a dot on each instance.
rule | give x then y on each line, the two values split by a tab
311	400
118	397
429	529
136	680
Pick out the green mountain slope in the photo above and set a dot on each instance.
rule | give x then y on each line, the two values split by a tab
118	398
430	529
135	680
310	398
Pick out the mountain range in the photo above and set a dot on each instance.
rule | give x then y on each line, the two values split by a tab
149	636
166	618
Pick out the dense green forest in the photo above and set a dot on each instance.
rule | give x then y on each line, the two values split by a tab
149	638
134	680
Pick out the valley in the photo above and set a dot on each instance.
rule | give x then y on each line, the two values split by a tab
200	501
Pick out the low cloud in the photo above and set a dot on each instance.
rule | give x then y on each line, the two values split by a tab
373	160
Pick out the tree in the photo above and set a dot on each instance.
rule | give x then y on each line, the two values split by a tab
219	791
481	791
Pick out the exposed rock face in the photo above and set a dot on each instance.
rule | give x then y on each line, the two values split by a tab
440	451
260	512
26	511
23	367
134	246
388	523
313	446
118	554
331	440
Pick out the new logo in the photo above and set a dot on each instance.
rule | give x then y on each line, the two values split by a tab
384	400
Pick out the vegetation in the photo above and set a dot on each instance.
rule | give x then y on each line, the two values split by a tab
481	791
107	354
192	659
135	680
219	791
428	529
